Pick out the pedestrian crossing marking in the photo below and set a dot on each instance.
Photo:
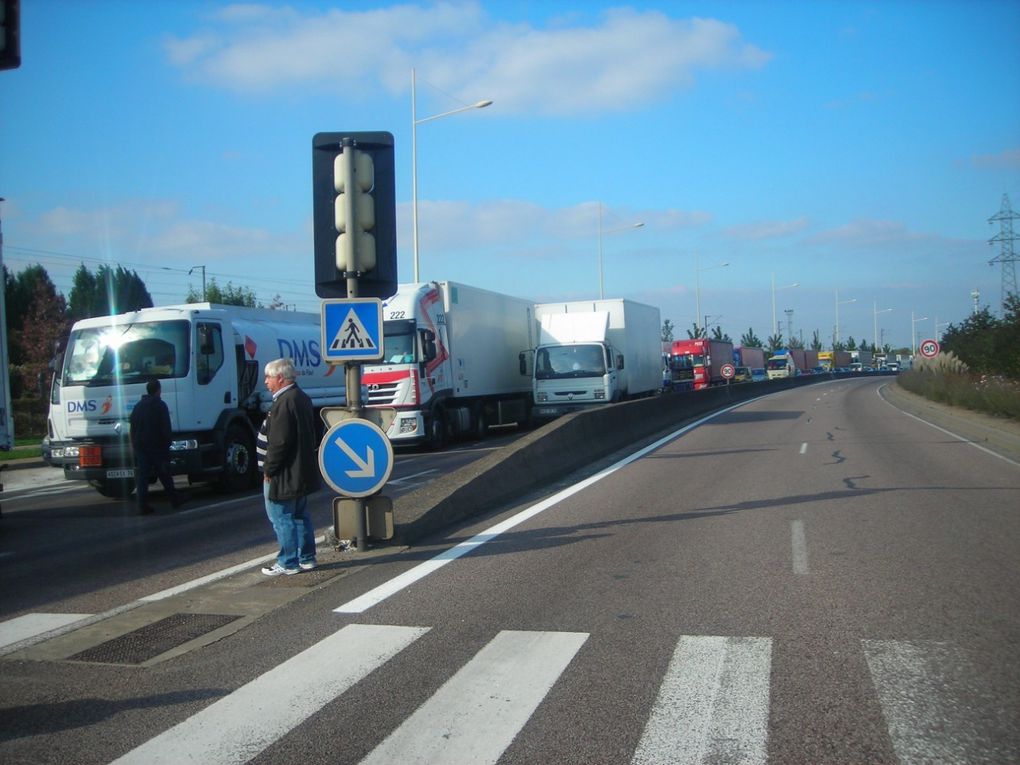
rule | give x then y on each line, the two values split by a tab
477	713
352	335
236	728
713	704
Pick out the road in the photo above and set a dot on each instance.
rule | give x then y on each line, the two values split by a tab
811	577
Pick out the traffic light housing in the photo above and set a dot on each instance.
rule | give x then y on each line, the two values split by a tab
354	214
10	34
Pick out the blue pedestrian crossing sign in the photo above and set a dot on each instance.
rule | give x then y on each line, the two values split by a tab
355	458
352	329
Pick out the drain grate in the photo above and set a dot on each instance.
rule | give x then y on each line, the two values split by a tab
153	639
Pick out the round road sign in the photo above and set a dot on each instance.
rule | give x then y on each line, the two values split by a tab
728	371
930	349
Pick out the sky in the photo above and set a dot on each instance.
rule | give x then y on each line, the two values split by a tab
855	149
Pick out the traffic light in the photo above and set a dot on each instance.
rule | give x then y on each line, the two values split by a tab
10	34
354	214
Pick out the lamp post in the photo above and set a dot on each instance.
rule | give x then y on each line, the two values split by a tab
913	332
602	292
697	284
839	302
415	122
876	313
775	326
193	268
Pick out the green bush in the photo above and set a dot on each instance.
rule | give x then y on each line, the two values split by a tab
947	380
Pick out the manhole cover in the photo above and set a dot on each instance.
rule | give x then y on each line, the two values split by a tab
153	639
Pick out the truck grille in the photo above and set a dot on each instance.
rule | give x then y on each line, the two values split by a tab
383	394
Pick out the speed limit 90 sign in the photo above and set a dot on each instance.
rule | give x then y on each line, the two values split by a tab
929	349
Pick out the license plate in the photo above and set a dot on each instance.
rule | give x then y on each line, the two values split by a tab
125	473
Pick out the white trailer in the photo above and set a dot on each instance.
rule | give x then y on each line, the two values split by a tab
451	361
209	360
595	352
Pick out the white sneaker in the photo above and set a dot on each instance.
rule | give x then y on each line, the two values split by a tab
307	566
277	570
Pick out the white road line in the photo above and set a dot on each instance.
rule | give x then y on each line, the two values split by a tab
407	478
799	545
958	437
236	728
927	696
409	577
23	627
713	704
477	713
803	448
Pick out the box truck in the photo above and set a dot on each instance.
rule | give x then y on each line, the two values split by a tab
787	362
594	352
700	360
209	360
451	362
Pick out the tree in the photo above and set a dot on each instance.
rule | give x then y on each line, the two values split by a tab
45	324
750	340
229	295
20	292
816	342
277	304
718	334
667	331
775	342
109	291
796	342
696	332
851	344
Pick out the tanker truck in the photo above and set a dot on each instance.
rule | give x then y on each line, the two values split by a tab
209	360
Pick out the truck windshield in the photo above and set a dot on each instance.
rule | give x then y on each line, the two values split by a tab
398	342
128	353
776	363
688	360
556	361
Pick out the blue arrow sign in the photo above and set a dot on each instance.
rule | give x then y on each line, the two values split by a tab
352	329
355	458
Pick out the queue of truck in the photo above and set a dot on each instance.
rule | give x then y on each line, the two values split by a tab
456	360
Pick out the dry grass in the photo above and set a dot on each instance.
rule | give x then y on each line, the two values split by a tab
946	379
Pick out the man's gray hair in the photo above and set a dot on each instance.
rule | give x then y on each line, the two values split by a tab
282	367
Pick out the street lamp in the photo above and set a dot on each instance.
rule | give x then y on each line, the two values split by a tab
775	326
913	332
193	268
697	284
839	302
415	122
876	313
602	292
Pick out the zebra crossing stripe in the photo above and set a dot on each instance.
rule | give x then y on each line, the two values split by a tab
236	728
926	691
713	704
475	715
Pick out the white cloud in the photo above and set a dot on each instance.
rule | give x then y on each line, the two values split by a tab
629	58
767	229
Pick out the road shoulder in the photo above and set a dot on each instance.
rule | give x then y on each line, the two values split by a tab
998	434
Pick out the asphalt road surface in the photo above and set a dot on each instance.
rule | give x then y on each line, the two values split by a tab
811	577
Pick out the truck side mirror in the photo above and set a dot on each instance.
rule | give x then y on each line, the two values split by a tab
619	361
428	344
523	359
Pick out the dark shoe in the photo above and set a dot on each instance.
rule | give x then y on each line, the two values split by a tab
145	510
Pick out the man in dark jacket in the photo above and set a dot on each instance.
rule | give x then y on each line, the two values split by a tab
150	442
291	470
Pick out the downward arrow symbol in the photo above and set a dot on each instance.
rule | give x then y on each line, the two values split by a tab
366	467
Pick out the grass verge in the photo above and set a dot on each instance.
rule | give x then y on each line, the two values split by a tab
998	396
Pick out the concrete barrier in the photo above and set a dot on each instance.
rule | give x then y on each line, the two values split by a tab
557	449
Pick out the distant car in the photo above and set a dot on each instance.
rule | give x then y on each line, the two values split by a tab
819	370
758	374
742	375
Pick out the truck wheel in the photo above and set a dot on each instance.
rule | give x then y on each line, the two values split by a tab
238	460
115	489
437	429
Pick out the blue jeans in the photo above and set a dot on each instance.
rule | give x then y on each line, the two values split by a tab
294	529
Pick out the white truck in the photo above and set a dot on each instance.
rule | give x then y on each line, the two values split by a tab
595	352
209	360
450	362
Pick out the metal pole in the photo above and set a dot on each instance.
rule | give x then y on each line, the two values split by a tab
414	174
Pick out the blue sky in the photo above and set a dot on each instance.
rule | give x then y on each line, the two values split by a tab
855	148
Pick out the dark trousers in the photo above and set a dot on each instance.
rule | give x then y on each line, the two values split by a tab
147	463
